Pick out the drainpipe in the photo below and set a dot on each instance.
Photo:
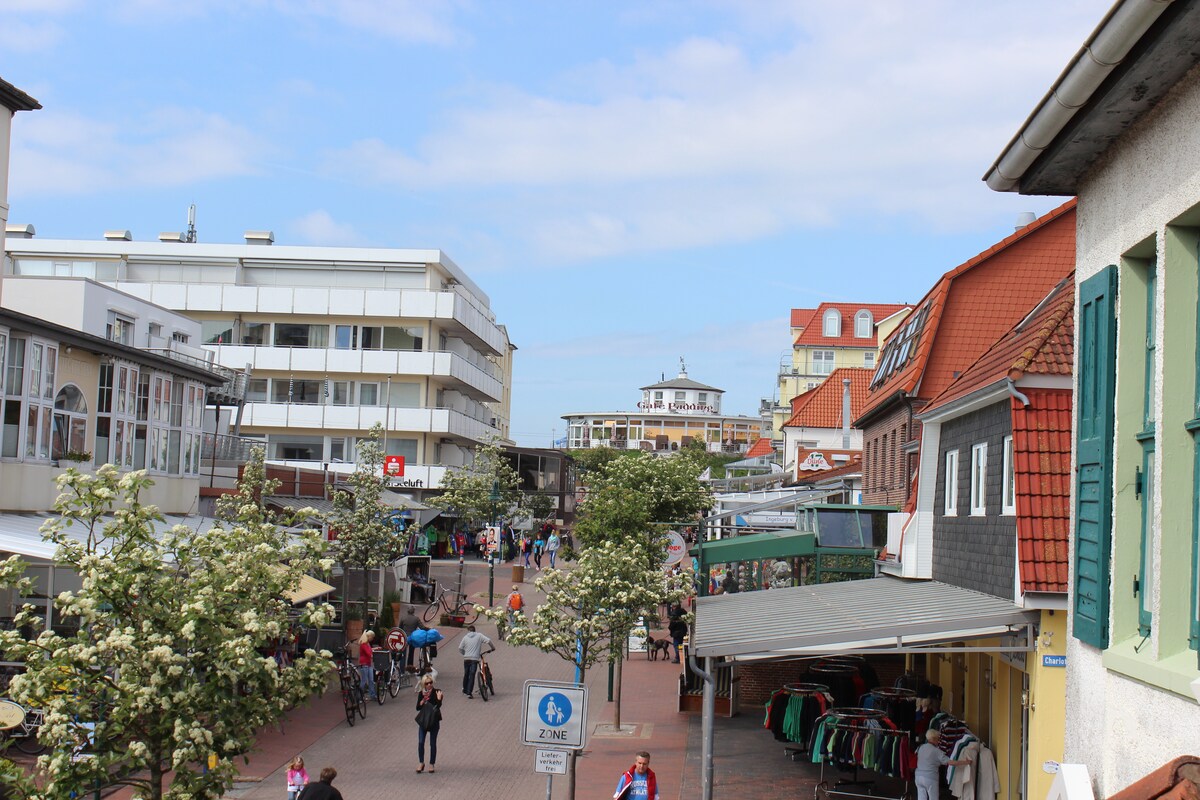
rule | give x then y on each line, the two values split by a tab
707	719
1012	390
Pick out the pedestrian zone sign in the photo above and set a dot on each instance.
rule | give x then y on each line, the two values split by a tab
554	714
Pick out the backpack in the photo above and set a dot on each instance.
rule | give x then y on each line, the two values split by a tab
515	601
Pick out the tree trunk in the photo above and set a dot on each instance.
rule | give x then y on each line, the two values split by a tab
155	788
617	690
571	774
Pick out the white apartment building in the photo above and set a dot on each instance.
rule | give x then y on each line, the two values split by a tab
335	339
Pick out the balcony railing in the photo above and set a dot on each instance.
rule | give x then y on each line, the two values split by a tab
219	447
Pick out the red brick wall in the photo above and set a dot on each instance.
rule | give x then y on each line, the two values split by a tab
887	469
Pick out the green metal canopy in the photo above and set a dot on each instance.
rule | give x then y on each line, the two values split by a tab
756	547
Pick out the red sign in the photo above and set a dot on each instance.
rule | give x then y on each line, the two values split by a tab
393	466
396	640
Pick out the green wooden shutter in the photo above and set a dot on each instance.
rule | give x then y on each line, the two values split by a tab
1096	348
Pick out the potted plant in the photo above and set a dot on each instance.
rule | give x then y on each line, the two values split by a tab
79	459
391	603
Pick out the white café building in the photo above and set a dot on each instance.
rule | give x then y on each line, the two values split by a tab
669	415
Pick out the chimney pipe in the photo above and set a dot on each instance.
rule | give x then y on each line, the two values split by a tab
260	237
172	236
118	236
1025	219
14	231
845	413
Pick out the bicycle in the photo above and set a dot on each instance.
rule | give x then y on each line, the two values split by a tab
483	680
353	697
396	677
24	733
381	676
461	608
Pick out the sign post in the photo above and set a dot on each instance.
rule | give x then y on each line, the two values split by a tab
554	716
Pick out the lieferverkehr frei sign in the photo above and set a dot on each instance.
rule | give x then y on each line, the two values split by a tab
554	714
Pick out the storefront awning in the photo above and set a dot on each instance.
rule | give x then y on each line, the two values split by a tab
309	589
20	533
864	616
757	546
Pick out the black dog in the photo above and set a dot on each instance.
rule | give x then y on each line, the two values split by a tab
658	646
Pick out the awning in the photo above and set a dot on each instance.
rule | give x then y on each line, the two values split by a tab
21	533
309	589
873	615
318	504
757	546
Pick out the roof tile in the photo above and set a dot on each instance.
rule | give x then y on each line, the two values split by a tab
822	407
1042	469
814	331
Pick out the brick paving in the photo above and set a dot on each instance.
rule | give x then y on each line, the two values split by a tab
480	750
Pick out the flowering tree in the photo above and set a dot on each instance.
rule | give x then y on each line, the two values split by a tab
166	668
364	537
488	487
589	610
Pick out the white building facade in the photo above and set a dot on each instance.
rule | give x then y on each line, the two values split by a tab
334	340
670	414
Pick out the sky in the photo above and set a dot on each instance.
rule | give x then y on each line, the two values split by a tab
630	182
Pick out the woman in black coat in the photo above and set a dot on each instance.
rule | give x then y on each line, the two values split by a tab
429	721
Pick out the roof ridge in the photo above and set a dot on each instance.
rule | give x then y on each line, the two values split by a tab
1030	353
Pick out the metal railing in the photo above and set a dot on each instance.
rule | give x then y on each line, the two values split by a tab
220	447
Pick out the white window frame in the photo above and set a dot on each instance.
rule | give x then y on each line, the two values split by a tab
950	504
825	364
831	323
869	359
979	479
864	324
1008	493
120	327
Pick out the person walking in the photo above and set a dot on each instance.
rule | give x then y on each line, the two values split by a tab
514	604
366	663
409	622
526	548
473	647
552	545
539	547
429	721
638	782
323	788
297	778
678	628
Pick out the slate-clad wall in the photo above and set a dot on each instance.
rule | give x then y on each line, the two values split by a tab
975	552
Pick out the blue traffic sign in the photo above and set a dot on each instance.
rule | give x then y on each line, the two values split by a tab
555	709
554	715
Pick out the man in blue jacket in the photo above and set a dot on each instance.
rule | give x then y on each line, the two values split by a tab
638	782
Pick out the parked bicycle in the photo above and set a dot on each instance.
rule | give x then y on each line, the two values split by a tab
458	607
21	725
353	697
395	677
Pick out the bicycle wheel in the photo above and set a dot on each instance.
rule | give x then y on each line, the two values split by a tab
381	694
431	612
348	701
467	611
29	744
362	702
481	684
394	676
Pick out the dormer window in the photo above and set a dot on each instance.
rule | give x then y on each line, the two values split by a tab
832	323
864	324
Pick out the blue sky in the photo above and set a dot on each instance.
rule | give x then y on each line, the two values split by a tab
630	182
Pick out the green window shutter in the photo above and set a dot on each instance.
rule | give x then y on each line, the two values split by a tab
1096	351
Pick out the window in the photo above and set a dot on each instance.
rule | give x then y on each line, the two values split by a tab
300	392
13	386
658	396
216	331
822	362
39	400
70	421
680	397
979	479
256	390
864	325
368	394
951	484
702	398
1149	545
290	335
342	393
180	337
121	415
1008	494
869	359
831	323
119	328
256	334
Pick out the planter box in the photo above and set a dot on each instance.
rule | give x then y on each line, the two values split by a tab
450	621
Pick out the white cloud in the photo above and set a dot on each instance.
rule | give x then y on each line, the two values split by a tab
59	152
21	36
892	108
320	228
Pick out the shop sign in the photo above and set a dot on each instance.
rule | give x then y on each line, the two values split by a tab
1054	661
659	405
406	483
393	466
676	548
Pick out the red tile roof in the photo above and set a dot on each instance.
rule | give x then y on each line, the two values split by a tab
822	406
1043	343
802	316
762	447
974	303
814	333
1042	470
1176	780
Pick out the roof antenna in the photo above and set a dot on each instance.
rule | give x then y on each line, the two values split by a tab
190	237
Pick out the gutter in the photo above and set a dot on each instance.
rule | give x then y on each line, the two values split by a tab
1102	53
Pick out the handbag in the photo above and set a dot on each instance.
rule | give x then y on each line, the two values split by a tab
428	716
432	650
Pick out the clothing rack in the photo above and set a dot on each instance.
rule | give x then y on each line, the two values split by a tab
899	704
859	736
791	712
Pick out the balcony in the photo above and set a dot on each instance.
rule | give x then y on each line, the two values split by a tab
227	449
